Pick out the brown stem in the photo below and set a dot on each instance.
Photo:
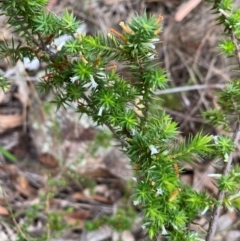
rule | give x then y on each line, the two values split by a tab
236	134
118	137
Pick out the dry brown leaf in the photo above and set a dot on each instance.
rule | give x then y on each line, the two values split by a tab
99	172
185	9
80	214
77	217
12	170
22	186
226	220
74	222
102	199
48	160
51	4
111	2
10	121
80	196
21	82
3	211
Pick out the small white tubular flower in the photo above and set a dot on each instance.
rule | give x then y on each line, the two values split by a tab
226	157
234	196
59	47
134	179
145	225
73	79
205	210
81	29
152	167
215	138
149	45
100	111
159	191
230	209
101	75
223	12
174	226
153	149
164	231
151	56
155	40
93	83
136	202
33	64
216	175
133	131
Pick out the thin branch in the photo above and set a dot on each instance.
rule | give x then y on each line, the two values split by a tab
189	88
185	9
118	137
12	215
236	47
236	135
217	209
124	143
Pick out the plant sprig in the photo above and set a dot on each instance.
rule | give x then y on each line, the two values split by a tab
83	69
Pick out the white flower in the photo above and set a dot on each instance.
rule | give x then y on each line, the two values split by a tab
59	47
174	226
154	40
136	202
205	210
93	83
73	79
216	175
215	138
159	191
59	42
133	132
151	55
234	196
164	231
33	64
134	179
223	12
153	150
100	111
81	29
149	45
101	75
145	225
230	209
226	157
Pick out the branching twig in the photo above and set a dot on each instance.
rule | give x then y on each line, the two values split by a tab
12	215
118	137
189	88
124	143
216	211
236	134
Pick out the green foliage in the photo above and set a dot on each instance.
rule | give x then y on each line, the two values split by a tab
4	83
80	70
7	154
102	139
120	221
227	47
